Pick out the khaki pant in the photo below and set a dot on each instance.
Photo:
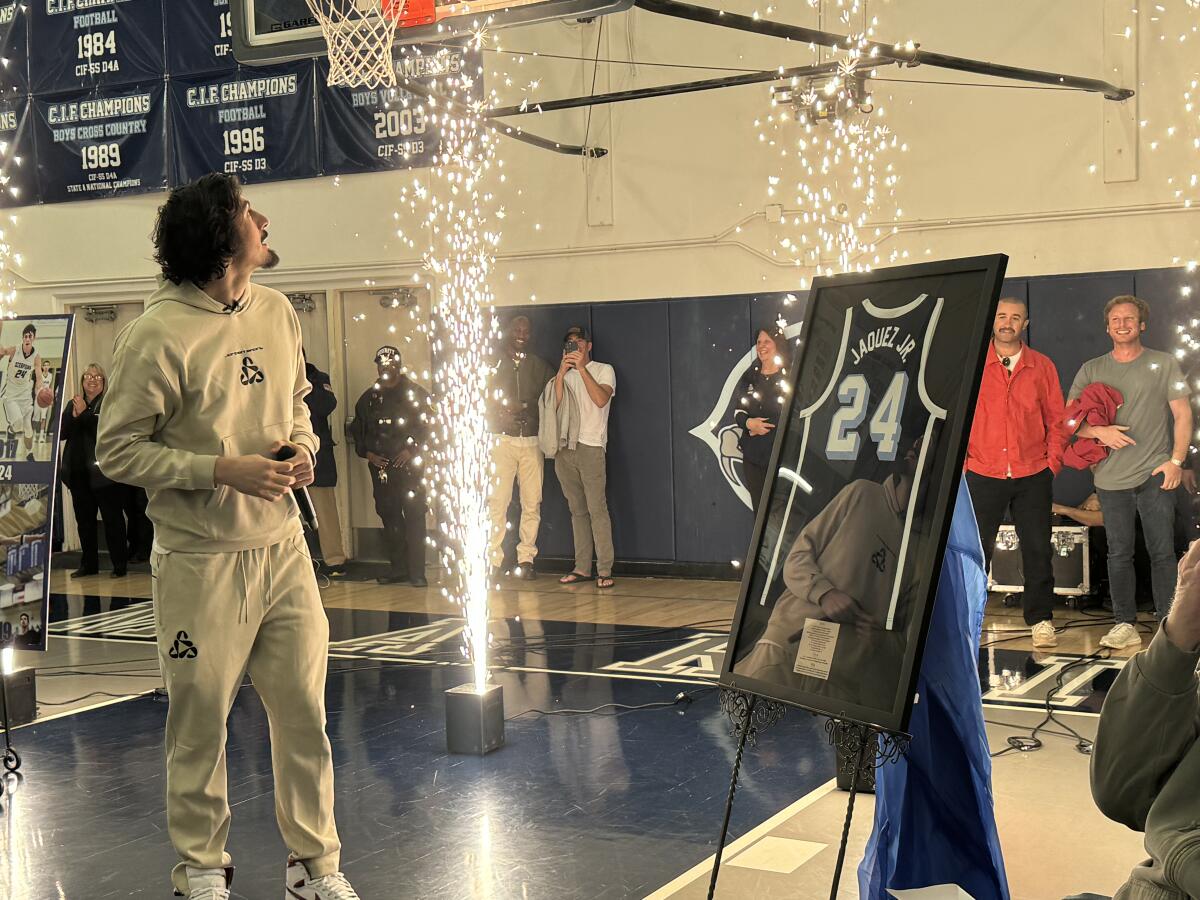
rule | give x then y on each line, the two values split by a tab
581	472
519	458
219	616
329	525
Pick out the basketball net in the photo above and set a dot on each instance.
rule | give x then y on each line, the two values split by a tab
360	34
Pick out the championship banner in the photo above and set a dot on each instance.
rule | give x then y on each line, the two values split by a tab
14	45
200	38
91	43
381	129
101	143
257	124
18	179
33	355
854	517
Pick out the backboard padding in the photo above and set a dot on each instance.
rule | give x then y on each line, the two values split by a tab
274	31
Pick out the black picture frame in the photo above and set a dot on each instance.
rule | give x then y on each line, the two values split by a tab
972	287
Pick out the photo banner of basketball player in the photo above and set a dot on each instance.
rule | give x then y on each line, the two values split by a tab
33	355
102	143
255	124
839	583
377	130
95	43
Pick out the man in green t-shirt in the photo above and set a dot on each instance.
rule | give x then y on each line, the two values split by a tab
1148	445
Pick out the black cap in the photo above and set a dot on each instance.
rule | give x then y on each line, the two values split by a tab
387	350
577	331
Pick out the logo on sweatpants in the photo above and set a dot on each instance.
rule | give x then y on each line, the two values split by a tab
183	648
251	374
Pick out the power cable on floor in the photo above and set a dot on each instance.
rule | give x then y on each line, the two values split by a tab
1029	743
619	709
89	696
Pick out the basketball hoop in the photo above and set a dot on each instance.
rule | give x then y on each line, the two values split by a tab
360	34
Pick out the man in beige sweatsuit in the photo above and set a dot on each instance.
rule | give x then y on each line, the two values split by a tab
207	386
1146	760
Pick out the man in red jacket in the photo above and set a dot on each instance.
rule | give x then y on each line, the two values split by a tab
1016	449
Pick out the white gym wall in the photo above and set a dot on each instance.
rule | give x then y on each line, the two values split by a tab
987	169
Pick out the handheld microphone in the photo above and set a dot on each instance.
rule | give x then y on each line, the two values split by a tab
308	512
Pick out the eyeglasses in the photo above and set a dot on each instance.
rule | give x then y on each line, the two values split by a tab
92	376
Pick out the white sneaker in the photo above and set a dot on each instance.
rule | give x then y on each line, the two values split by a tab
327	887
208	884
1121	636
1044	635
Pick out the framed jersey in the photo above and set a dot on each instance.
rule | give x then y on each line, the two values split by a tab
852	527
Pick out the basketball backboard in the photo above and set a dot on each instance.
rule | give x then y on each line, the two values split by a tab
275	31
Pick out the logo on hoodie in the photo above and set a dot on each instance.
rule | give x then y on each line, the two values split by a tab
183	648
251	374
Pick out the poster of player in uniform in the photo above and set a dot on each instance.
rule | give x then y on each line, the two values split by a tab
31	360
33	353
25	513
842	570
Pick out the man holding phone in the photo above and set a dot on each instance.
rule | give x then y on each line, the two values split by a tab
582	471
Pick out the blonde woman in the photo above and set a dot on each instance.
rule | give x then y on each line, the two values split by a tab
91	492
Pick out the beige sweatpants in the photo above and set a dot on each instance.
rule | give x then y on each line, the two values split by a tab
329	531
218	617
582	474
522	459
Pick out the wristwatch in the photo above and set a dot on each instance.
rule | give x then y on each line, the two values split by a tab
1178	462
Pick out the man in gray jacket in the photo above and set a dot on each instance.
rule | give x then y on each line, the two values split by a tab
1146	762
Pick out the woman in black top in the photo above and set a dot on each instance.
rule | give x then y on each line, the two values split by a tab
90	489
759	403
322	401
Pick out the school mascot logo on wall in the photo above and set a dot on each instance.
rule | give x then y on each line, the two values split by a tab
721	433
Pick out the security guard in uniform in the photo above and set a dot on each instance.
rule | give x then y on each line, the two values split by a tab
391	428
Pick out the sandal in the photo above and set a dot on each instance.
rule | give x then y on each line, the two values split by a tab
574	578
604	582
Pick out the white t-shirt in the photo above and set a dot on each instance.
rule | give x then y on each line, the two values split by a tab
593	419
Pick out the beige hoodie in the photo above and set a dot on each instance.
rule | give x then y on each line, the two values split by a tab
192	381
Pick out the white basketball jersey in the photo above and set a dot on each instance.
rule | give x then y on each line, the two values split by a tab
18	377
874	406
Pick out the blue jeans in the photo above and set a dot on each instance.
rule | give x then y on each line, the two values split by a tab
1156	508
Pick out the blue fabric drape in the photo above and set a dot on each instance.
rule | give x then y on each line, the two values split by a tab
934	818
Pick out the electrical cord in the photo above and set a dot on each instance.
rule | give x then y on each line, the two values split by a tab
619	709
1029	743
88	696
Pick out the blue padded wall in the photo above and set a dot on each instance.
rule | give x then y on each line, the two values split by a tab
708	338
669	500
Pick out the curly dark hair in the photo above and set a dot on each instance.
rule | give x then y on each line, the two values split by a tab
195	234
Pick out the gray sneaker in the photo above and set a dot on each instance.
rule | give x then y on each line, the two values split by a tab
1121	636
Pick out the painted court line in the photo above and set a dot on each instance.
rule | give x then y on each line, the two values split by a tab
705	868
